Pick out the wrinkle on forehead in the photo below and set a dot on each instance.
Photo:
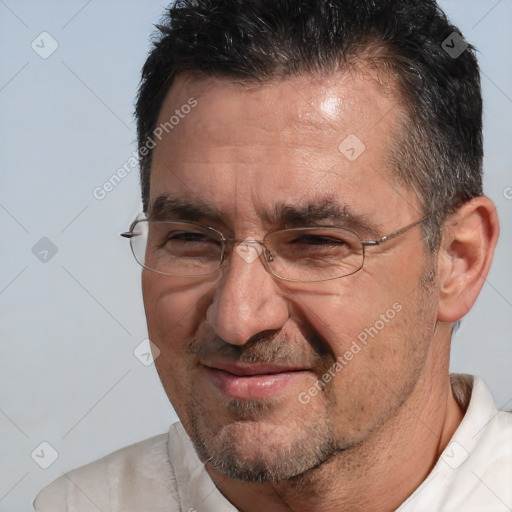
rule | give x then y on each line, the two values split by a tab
333	97
244	149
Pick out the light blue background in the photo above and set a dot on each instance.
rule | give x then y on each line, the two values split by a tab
69	326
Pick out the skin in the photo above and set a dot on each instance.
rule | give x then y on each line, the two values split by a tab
370	436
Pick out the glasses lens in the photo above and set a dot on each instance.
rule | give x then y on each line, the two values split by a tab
314	254
176	248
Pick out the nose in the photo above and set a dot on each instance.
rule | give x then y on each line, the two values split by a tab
248	300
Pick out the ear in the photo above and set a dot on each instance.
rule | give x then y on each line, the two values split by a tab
469	238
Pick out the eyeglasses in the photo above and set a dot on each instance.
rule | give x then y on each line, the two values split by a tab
305	254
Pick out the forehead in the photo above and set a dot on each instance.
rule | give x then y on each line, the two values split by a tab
246	147
296	109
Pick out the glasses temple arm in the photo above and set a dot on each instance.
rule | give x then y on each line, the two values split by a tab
396	233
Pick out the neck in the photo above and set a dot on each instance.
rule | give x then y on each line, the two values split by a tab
395	459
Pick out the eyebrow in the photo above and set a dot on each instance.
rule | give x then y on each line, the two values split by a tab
282	215
173	207
326	209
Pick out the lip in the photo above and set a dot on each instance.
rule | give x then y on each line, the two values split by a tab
251	382
248	370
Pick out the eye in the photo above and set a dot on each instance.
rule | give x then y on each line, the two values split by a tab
320	243
189	245
189	236
172	237
319	240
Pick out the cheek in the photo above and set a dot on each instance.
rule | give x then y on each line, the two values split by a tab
374	331
379	346
174	309
342	312
173	312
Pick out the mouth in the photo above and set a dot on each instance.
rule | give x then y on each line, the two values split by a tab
252	381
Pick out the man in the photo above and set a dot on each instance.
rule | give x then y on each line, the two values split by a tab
314	227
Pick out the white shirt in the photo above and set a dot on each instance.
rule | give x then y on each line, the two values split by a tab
164	473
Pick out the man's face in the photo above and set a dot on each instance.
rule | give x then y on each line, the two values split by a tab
271	378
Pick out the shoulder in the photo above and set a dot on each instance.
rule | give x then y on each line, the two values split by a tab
115	482
483	473
495	451
474	472
479	457
486	434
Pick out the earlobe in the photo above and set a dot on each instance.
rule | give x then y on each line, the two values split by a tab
469	239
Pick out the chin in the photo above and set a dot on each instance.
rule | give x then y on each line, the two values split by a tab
255	450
